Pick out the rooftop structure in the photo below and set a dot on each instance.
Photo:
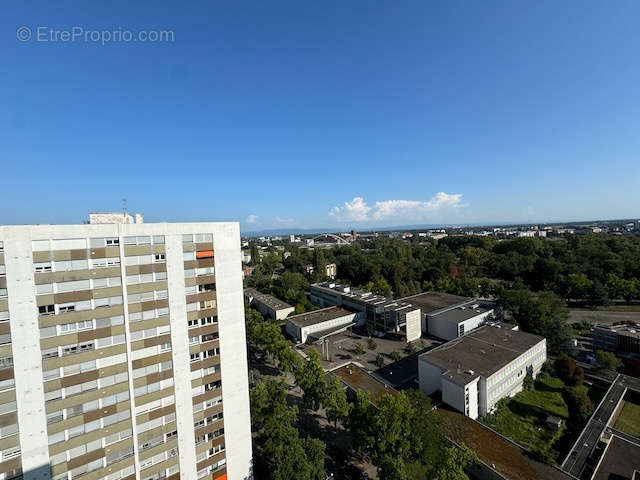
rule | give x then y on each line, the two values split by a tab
356	378
450	316
383	314
432	302
268	304
97	218
473	372
320	323
620	460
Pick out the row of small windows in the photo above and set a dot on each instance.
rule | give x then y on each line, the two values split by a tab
82	347
56	309
147	296
73	244
81	409
156	422
146	278
124	473
78	285
148	314
88	427
145	259
85	387
196	357
198	237
72	265
202	321
162	474
144	240
81	325
159	440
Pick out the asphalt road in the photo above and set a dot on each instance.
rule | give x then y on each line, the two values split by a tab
597	316
577	459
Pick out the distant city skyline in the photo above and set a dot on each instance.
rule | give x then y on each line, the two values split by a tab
330	115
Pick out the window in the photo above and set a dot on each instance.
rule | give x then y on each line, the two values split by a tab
42	267
47	309
158	257
112	241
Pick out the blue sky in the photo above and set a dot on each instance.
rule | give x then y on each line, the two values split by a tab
322	114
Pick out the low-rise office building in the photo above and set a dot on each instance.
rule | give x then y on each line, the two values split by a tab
268	304
473	372
617	338
449	316
320	323
383	314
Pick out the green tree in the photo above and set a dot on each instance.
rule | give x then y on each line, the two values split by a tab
395	356
379	360
527	383
578	403
607	360
360	422
453	464
543	313
336	404
358	350
311	378
282	454
371	344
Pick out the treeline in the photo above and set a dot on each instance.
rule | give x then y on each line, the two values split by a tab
400	436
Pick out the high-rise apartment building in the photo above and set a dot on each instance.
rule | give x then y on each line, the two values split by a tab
122	352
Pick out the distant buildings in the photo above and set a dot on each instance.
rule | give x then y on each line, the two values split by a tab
331	270
475	371
383	314
268	304
619	338
319	324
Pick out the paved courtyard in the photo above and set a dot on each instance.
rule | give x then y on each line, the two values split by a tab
399	372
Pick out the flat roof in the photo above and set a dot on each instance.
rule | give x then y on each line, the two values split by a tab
620	460
319	316
632	331
460	314
483	351
365	297
431	301
266	299
356	378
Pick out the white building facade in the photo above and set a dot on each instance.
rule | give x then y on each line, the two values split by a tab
126	356
474	373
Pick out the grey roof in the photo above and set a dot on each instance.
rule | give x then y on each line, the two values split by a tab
483	351
318	316
460	314
620	460
266	299
431	301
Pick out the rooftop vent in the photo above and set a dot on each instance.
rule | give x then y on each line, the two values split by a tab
469	372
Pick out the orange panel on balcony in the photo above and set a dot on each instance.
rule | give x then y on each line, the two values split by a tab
221	477
204	254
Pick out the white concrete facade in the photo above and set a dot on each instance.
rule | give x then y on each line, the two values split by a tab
25	339
414	332
448	330
483	392
300	334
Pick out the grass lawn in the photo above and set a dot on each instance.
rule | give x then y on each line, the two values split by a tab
629	419
522	418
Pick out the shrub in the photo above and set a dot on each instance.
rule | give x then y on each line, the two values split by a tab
371	344
527	383
379	360
358	350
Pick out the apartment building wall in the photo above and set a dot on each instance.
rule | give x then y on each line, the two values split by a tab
126	334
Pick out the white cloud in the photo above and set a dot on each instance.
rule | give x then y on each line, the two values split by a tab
252	219
356	210
416	209
289	222
413	210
